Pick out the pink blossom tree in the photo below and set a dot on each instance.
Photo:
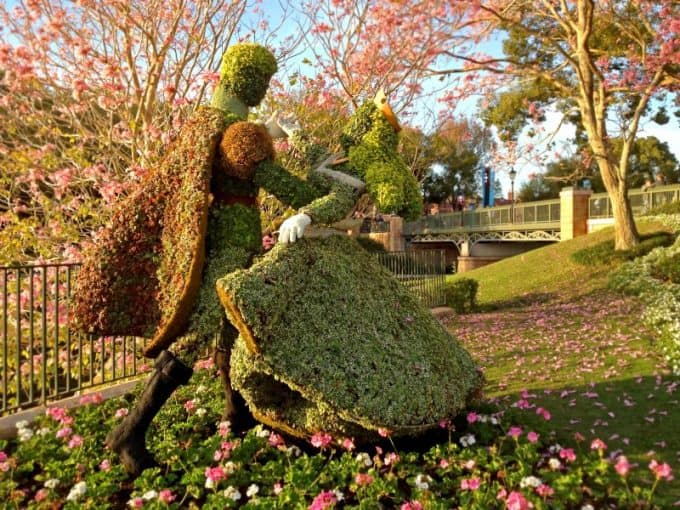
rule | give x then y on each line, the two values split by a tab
605	62
91	90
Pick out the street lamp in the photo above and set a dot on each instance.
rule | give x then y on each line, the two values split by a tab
512	175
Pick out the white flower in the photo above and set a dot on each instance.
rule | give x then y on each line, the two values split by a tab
554	464
77	491
232	493
530	481
262	432
201	388
294	450
494	420
25	434
587	506
252	490
43	431
149	495
467	440
556	448
209	484
422	481
201	411
229	467
22	424
52	483
338	494
365	459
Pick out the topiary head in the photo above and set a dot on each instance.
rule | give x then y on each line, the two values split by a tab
243	146
245	72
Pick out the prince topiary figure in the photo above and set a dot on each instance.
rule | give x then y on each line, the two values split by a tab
152	270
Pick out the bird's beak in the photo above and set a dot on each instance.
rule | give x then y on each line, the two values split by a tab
380	101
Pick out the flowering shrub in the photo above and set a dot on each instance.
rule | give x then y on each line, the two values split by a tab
662	299
479	461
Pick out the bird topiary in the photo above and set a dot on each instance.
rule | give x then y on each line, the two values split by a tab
370	141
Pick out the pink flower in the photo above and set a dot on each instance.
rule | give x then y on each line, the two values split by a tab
661	471
3	457
470	484
323	500
75	442
391	458
470	464
136	502
622	465
166	496
568	454
121	413
105	465
443	463
275	439
544	490
383	432
92	398
189	406
412	505
532	437
445	424
204	364
543	412
41	495
348	444
64	432
223	428
56	413
515	432
598	444
321	439
215	474
363	479
579	437
515	501
472	417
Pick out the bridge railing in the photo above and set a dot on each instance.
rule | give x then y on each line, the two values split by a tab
600	206
522	215
42	358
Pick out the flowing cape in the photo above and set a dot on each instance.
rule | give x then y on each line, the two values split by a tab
330	340
141	274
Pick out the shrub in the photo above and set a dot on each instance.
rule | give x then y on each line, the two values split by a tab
604	253
667	268
371	245
662	300
461	294
669	208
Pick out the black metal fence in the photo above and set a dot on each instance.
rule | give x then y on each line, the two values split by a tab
423	272
43	359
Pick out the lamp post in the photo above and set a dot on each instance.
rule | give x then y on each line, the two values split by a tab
512	174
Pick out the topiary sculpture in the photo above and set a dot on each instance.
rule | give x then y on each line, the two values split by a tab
370	140
152	271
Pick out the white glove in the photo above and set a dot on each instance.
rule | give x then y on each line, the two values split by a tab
293	228
279	128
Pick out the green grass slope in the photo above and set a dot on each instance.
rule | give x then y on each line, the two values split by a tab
549	270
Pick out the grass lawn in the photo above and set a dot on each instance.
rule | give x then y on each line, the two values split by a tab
552	337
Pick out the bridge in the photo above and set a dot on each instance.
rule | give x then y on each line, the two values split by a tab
476	238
